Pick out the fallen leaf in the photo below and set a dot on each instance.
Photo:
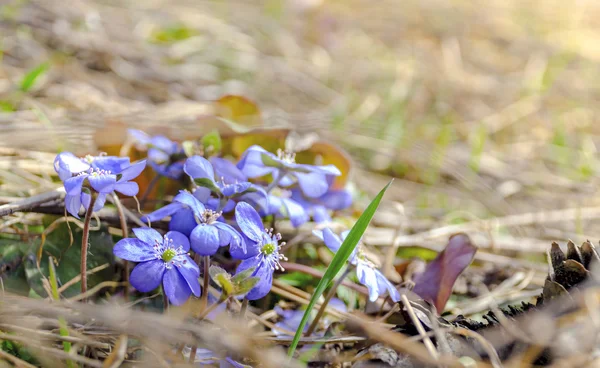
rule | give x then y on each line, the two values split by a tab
436	282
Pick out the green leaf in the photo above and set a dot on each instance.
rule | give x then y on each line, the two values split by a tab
339	260
243	275
212	141
29	79
244	286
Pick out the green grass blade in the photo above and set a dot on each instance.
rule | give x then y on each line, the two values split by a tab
339	260
63	331
30	78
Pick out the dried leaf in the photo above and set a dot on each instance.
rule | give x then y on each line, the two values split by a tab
436	282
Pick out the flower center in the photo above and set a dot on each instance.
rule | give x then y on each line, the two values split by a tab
270	250
286	156
88	158
209	216
98	172
168	255
362	255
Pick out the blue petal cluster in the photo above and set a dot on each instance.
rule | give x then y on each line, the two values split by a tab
99	175
165	156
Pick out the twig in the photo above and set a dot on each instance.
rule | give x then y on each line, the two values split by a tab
76	279
31	202
125	231
95	289
328	297
417	323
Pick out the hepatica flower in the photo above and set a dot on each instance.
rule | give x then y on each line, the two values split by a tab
231	182
182	216
262	250
99	174
165	156
161	259
208	234
318	208
314	181
367	273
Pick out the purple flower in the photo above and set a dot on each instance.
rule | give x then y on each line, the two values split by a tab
261	251
101	174
161	259
208	233
366	271
182	216
207	357
313	180
231	183
280	204
290	319
165	156
318	208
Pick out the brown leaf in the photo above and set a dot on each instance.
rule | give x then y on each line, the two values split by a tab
436	282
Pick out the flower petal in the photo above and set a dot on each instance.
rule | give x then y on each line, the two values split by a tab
102	183
183	221
264	284
73	204
313	185
146	276
133	171
226	171
202	194
251	163
189	200
384	285
134	250
247	249
294	212
140	137
128	188
320	214
176	287
366	276
205	240
190	272
164	144
100	201
198	167
178	239
148	235
163	212
336	199
73	185
249	221
331	240
66	164
110	163
228	235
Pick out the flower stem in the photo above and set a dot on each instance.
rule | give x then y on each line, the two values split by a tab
204	297
328	297
244	307
211	308
125	232
84	242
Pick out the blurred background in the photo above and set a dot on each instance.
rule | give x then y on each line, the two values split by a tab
485	112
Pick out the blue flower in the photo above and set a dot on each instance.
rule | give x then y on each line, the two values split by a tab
290	319
165	156
207	357
318	208
208	233
261	251
280	204
366	271
182	216
231	181
104	174
313	180
161	260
